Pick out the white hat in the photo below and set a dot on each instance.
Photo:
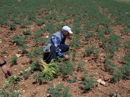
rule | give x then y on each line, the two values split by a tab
67	28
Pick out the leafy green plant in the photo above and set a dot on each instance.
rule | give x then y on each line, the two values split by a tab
109	66
13	60
111	94
75	43
40	22
12	26
23	48
74	78
87	82
27	32
11	88
127	57
35	53
49	72
89	36
126	30
30	69
117	76
66	69
19	40
58	91
90	50
80	66
127	44
125	70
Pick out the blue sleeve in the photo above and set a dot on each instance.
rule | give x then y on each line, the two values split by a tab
56	42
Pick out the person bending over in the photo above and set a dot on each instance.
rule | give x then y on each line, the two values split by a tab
55	46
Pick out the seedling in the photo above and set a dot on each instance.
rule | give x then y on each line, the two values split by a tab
11	88
49	71
13	60
58	91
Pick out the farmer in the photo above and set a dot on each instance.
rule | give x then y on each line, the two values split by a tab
55	46
6	70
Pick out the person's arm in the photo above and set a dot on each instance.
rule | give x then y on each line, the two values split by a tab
56	42
6	70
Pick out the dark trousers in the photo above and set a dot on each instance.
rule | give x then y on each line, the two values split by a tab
52	54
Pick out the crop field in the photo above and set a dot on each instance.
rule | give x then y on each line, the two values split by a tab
99	48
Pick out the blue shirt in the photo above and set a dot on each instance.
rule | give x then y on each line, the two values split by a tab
56	41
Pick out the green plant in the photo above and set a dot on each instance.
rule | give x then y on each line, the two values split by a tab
117	76
40	22
109	66
75	43
89	36
35	53
111	94
30	69
80	66
49	71
59	90
12	26
127	57
87	82
23	48
90	50
125	31
74	78
19	40
13	60
66	69
127	44
125	70
11	88
27	32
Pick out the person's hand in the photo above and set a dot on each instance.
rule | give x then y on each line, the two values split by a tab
6	70
67	57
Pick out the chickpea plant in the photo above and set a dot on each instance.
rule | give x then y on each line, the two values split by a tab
49	71
11	88
58	91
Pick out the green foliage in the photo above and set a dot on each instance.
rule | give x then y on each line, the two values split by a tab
89	36
125	31
30	69
12	26
35	53
127	44
91	23
75	43
58	91
10	88
125	70
91	50
80	66
87	82
109	66
127	57
117	76
40	22
19	40
49	72
27	32
74	78
112	44
13	60
23	48
111	94
66	69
